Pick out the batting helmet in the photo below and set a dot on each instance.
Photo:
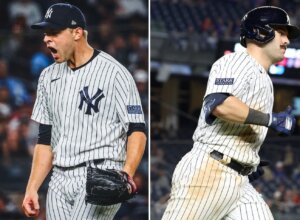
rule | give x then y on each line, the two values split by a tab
258	24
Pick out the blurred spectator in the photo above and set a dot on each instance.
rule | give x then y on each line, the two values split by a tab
212	39
27	8
31	135
279	173
17	89
118	49
268	174
136	52
40	60
5	102
207	25
160	181
133	7
295	196
288	202
13	41
104	35
7	207
288	161
15	145
193	39
158	208
141	78
296	174
3	131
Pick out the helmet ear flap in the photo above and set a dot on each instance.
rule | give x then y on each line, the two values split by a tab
259	33
263	34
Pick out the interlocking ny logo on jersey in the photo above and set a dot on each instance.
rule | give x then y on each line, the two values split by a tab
85	97
49	13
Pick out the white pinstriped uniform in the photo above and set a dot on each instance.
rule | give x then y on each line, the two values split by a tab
90	109
204	188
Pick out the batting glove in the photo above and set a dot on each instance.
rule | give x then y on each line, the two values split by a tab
259	171
283	122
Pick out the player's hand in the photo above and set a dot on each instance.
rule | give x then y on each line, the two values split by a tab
132	188
283	122
31	205
259	171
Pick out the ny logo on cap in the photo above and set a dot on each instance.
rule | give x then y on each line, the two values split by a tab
49	13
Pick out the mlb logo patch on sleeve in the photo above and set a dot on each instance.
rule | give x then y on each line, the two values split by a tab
224	81
134	109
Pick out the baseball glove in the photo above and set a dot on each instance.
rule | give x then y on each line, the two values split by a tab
108	187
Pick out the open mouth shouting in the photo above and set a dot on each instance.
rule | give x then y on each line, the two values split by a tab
53	50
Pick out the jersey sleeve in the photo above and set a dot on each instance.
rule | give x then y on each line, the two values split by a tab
223	79
128	102
41	111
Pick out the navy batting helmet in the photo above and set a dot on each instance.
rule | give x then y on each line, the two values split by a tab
258	24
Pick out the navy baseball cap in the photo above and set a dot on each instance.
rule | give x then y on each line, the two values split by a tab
61	16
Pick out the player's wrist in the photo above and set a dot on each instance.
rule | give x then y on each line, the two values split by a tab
257	118
32	188
270	119
132	184
128	170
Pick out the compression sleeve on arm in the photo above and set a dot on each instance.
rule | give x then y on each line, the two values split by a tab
44	136
136	127
210	103
257	118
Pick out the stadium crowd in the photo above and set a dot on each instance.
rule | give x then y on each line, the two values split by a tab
117	27
200	24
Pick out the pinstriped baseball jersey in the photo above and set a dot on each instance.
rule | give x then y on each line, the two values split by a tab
205	188
89	108
241	76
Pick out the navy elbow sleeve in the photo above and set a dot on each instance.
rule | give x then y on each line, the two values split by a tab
136	127
44	136
210	103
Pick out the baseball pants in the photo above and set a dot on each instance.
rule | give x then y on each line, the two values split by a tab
66	198
204	188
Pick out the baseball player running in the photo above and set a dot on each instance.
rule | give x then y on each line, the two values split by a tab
211	181
90	114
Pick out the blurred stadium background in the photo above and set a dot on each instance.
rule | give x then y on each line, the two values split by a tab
187	36
118	27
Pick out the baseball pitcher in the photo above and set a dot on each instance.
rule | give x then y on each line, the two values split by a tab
92	128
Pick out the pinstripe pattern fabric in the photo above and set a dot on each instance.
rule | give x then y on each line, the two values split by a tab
247	209
253	86
204	188
90	109
76	136
65	198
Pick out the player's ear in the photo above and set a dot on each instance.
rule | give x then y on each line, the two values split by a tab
77	33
